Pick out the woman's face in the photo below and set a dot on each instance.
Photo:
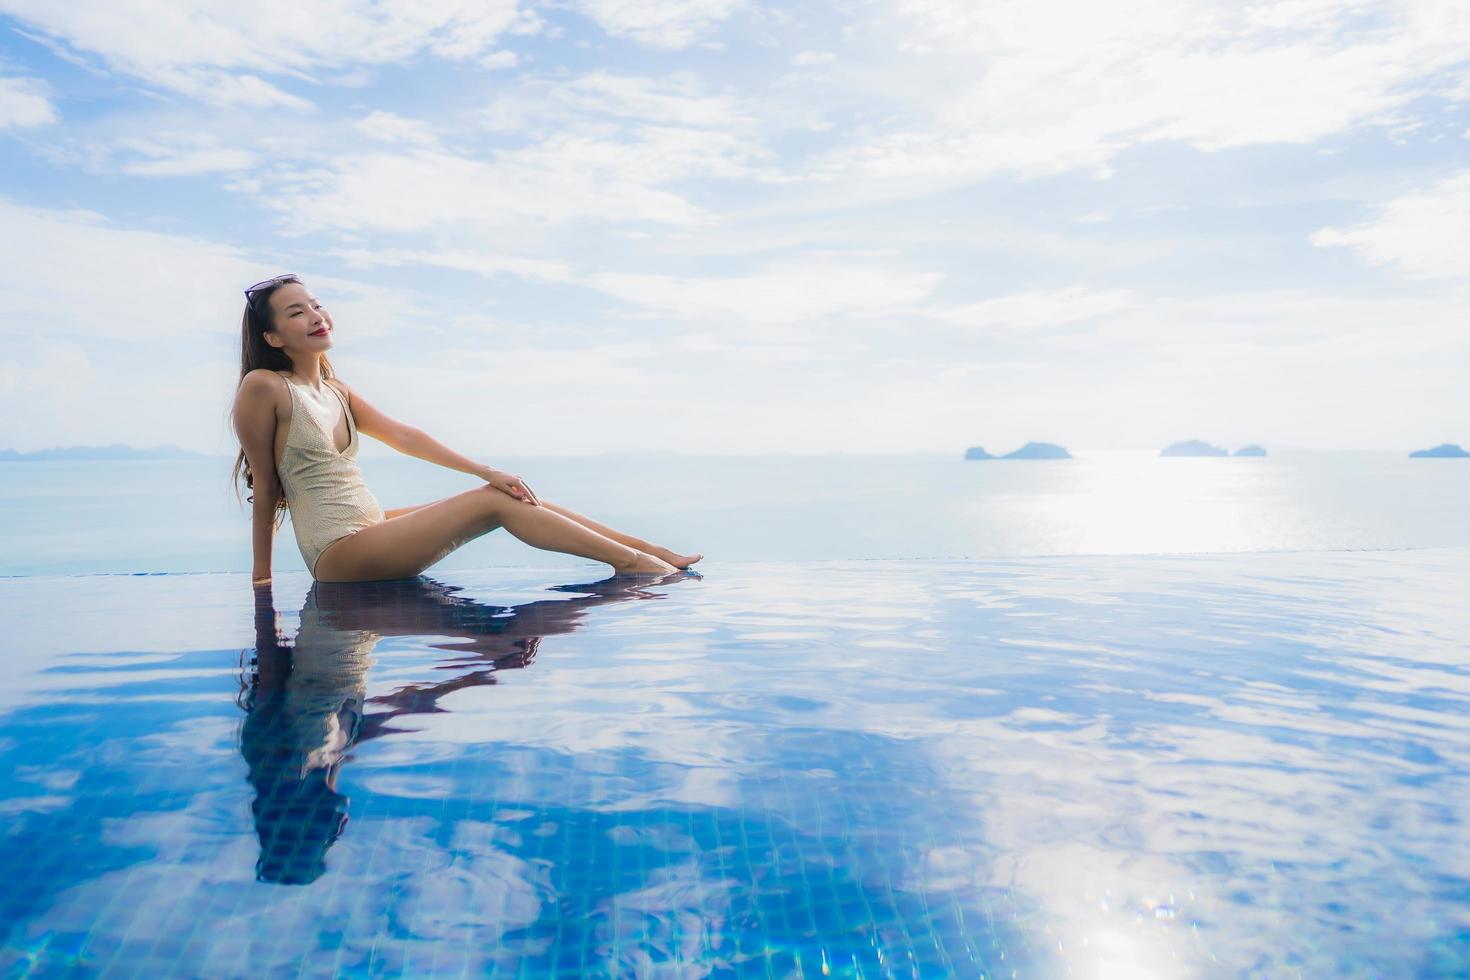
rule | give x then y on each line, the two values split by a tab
302	324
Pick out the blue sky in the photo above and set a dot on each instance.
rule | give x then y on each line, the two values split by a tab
728	226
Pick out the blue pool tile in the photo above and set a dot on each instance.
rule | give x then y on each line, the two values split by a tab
1226	764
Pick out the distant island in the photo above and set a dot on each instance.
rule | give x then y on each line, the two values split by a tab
1032	450
1251	450
1039	450
1194	447
114	451
1447	450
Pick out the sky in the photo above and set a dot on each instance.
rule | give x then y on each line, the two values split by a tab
732	226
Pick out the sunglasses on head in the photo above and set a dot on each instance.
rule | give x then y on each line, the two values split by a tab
273	281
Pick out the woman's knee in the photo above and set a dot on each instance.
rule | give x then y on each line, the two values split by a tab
496	502
490	501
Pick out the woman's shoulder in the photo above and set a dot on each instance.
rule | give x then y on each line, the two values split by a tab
261	376
263	383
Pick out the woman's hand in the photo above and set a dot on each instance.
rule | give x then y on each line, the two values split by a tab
511	484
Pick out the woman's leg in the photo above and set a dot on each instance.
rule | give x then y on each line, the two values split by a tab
404	546
388	515
672	557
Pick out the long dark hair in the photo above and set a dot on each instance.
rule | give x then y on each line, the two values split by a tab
255	323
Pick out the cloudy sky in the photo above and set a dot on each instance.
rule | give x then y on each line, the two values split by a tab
741	226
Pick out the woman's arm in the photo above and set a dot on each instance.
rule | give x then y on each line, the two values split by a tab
263	529
407	439
416	442
255	424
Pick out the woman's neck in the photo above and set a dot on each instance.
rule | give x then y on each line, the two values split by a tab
309	375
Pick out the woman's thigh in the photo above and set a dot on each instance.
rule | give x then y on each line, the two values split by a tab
400	511
403	546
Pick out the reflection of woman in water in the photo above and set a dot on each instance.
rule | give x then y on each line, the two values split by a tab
297	727
298	425
306	702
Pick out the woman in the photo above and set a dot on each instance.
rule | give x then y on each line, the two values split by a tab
298	426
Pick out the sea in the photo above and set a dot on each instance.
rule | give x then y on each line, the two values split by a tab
69	517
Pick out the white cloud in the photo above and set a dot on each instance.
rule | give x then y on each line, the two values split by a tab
192	163
564	177
801	290
1036	310
497	60
742	348
150	287
392	128
755	350
142	147
659	23
600	147
154	324
44	387
103	307
225	89
25	102
674	100
217	54
1329	368
1050	86
588	366
45	253
1426	235
793	292
463	260
685	215
182	155
43	365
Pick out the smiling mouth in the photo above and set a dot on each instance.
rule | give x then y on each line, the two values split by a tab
318	333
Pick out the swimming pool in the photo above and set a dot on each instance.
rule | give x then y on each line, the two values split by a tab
1207	765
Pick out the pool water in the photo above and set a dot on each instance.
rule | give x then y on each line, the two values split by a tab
1207	765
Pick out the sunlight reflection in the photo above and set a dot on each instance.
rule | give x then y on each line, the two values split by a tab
1132	502
1112	954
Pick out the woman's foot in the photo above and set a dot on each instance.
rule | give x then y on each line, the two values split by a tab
674	558
643	563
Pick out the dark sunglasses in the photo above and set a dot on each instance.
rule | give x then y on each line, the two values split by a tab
273	281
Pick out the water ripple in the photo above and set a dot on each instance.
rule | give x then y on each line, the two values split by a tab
1205	765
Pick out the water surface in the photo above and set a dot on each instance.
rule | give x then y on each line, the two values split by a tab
147	515
1150	766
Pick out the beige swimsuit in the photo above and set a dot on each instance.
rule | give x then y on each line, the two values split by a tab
324	488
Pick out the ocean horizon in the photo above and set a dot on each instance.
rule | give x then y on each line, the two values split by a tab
371	450
181	515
